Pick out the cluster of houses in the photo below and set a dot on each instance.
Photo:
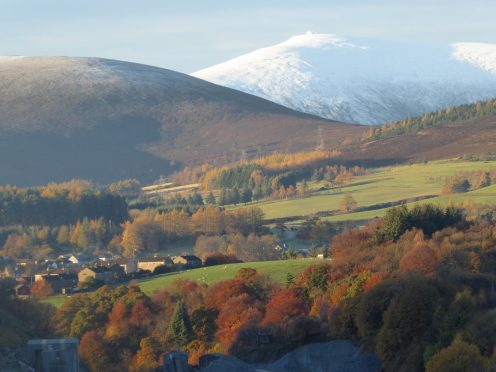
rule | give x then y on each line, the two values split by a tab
69	273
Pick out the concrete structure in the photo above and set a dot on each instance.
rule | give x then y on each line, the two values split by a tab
151	263
188	261
56	355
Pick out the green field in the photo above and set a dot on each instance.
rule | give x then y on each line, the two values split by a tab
383	185
277	270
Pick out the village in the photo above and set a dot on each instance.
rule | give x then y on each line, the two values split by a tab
72	273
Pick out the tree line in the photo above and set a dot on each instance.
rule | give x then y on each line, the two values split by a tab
89	236
52	206
434	119
151	230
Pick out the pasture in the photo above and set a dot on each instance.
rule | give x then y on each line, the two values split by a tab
277	270
383	185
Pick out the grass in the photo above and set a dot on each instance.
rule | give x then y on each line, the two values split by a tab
277	270
384	185
56	301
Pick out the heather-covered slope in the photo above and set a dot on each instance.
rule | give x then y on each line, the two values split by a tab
453	139
104	120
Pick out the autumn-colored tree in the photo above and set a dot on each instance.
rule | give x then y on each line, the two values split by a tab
93	352
219	259
348	203
141	235
146	359
216	297
421	259
66	312
118	326
131	241
351	249
338	293
208	220
208	245
315	277
175	224
373	280
141	314
237	312
196	349
17	245
41	289
191	293
283	306
246	273
458	357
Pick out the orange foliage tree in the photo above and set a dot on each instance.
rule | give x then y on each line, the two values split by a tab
283	306
93	352
41	289
421	259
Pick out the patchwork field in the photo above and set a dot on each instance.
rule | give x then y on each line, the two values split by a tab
384	185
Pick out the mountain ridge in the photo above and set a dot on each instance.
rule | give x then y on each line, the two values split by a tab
361	81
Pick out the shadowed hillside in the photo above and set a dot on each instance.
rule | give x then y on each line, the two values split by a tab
105	120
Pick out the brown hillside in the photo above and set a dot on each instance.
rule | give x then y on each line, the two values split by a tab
105	120
474	136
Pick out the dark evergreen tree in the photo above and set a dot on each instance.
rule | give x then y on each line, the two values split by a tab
235	196
223	198
210	199
198	199
180	330
257	193
246	195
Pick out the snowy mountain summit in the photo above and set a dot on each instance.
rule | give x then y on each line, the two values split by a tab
361	80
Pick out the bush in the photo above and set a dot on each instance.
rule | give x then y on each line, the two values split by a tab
458	357
220	259
407	318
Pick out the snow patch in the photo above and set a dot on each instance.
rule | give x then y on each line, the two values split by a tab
361	81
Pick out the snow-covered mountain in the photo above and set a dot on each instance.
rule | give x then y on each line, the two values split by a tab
361	80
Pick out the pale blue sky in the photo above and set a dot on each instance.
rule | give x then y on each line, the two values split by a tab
188	35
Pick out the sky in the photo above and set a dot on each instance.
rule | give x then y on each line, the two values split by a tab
189	35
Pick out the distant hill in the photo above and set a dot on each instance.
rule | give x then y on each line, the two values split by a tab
359	80
104	120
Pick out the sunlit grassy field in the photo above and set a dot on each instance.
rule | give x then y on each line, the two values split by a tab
384	185
277	270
